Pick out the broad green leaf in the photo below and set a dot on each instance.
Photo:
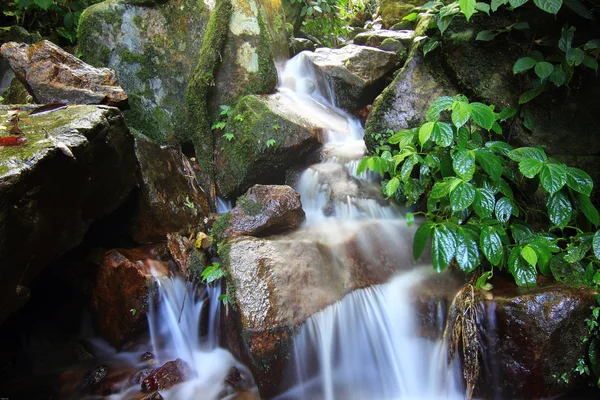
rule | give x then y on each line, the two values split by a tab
410	17
491	245
524	274
594	354
550	6
517	3
462	196
506	190
590	62
483	7
528	119
484	202
579	181
410	218
496	128
529	255
501	148
443	247
404	137
504	209
531	94
523	153
530	167
490	162
461	112
553	177
572	274
588	209
575	56
463	163
524	64
392	186
421	238
467	251
398	158
443	23
374	163
497	3
592	45
482	115
543	69
432	44
425	132
467	7
443	103
558	76
559	209
407	167
507	113
520	233
485	36
566	38
578	7
443	133
441	189
576	253
596	245
544	256
43	4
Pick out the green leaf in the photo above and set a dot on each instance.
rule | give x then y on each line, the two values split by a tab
432	44
528	119
421	238
425	132
594	355
490	162
566	38
558	76
485	36
442	189
212	273
462	196
443	247
507	113
407	167
467	251
575	56
579	181
443	134
523	153
482	115
491	245
461	112
524	274
501	148
578	7
410	218
529	255
484	202
467	7
524	64
588	209
517	3
463	163
531	94
410	17
550	6
43	4
483	7
596	245
504	209
497	3
392	186
443	103
403	137
530	167
544	256
559	209
553	177
590	62
543	69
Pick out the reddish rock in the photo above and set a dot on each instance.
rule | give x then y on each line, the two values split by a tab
265	209
124	287
51	75
168	375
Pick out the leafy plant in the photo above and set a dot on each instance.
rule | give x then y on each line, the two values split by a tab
218	125
275	127
487	203
213	272
189	204
133	311
271	143
226	110
239	118
324	20
229	136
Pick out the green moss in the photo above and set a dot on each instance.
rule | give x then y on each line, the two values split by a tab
459	37
218	228
137	20
249	207
16	93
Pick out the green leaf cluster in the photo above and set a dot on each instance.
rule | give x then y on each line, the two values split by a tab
487	203
213	272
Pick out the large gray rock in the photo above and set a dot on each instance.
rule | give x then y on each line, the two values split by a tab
355	73
375	38
51	75
52	188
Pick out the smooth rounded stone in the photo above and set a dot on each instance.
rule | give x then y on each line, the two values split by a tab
92	378
265	209
300	44
376	38
170	374
52	75
125	285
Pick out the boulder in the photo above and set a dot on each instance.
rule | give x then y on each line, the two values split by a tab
356	74
168	375
281	280
392	11
270	134
298	45
376	38
169	197
265	209
51	75
77	165
125	285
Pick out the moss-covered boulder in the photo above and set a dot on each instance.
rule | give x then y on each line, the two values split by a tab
77	165
392	11
264	136
153	50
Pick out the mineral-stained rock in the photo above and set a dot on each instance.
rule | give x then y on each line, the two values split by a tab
124	288
265	209
356	73
52	75
50	198
170	374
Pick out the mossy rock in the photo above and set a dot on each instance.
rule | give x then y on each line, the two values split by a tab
16	93
392	11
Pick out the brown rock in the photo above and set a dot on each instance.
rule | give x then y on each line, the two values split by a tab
52	75
168	375
124	286
265	209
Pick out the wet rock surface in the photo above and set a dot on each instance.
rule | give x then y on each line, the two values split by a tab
77	166
357	74
169	197
265	209
168	375
376	38
124	288
52	75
